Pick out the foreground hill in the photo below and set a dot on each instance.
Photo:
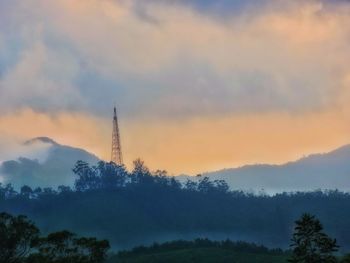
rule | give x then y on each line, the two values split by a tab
201	251
200	255
319	171
54	168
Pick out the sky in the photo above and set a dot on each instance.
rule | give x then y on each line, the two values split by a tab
199	85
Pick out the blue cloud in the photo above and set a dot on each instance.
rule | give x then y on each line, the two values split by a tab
226	8
72	76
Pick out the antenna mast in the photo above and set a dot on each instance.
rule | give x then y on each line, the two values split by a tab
116	155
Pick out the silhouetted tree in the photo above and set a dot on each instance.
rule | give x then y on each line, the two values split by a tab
37	192
310	244
20	243
175	184
161	178
2	192
26	191
64	189
191	185
205	185
221	186
18	236
87	178
111	175
140	173
7	192
65	247
48	191
239	246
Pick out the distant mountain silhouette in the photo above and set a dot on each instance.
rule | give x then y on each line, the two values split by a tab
40	140
55	169
318	171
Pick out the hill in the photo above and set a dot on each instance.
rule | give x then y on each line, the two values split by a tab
140	207
318	171
201	251
53	169
201	255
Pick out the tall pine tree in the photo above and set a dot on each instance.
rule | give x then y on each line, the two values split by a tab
310	244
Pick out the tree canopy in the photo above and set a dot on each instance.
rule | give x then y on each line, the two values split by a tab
310	244
20	243
139	206
18	236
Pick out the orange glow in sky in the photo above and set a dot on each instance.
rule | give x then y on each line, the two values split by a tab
196	89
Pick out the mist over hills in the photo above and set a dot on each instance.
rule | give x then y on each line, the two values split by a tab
51	167
141	207
318	171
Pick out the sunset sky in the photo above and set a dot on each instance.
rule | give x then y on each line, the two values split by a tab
199	85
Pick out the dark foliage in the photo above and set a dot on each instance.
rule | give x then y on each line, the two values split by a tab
18	236
310	244
20	243
65	247
201	251
238	246
141	206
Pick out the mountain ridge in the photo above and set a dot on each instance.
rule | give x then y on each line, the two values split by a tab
41	139
328	170
54	170
301	159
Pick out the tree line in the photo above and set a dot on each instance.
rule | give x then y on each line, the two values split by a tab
138	206
108	175
20	242
309	244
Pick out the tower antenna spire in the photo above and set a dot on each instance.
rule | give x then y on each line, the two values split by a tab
116	156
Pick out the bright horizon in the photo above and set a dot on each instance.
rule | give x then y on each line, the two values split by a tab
199	87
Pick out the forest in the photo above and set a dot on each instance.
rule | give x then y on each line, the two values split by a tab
21	241
141	207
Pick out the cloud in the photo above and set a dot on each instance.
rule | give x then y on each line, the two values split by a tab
289	57
179	71
74	129
11	149
185	146
41	80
